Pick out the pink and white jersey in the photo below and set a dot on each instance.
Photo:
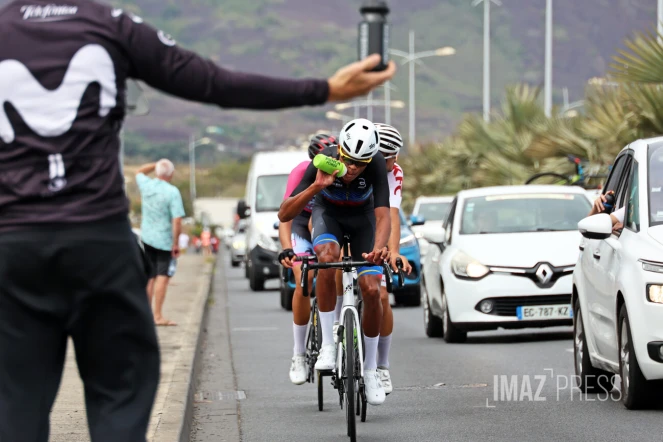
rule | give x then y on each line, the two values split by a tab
395	179
293	181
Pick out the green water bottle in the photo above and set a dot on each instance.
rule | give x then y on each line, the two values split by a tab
329	165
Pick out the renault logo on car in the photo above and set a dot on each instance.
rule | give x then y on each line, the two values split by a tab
544	273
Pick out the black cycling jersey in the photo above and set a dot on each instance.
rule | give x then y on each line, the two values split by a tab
63	72
366	192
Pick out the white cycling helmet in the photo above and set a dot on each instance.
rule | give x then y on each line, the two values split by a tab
359	139
391	141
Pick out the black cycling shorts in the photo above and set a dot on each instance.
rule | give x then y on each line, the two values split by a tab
331	226
159	261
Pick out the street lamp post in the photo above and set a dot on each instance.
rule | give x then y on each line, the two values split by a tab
486	54
192	163
192	156
410	57
369	103
547	93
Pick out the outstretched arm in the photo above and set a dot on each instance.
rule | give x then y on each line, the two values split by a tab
146	168
156	59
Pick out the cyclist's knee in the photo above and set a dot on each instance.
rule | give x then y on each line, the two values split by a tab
370	288
328	252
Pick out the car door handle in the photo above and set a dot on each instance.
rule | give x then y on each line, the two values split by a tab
597	254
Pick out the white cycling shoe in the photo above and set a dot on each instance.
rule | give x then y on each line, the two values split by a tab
326	358
335	331
374	391
385	378
298	373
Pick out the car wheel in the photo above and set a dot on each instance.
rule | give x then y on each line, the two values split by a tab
588	378
635	391
451	333
282	296
432	324
411	297
256	283
287	299
234	263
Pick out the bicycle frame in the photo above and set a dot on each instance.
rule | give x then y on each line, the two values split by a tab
350	308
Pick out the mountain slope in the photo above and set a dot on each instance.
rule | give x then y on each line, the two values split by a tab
314	38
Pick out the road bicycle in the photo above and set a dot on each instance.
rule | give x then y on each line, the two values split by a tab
348	375
581	178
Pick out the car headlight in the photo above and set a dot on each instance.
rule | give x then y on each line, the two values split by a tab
267	243
651	267
419	234
655	293
465	266
408	241
239	245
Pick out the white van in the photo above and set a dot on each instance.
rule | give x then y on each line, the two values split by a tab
265	188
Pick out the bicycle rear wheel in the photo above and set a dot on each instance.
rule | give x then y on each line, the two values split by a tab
350	375
548	178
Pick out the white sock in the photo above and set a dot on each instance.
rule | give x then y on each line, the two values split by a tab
383	351
327	326
371	351
339	307
299	333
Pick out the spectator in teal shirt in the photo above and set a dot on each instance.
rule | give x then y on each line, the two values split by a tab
160	229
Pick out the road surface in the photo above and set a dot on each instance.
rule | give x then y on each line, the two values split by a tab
499	386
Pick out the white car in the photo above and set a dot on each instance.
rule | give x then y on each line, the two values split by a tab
503	258
618	282
238	244
429	213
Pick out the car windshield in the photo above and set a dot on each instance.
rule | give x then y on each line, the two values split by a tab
433	211
655	186
516	213
269	194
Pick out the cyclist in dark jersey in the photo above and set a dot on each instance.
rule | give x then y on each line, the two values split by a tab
69	263
295	239
356	204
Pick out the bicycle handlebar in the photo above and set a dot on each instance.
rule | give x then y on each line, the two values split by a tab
347	266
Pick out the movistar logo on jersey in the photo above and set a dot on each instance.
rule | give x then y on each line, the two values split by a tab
51	113
47	11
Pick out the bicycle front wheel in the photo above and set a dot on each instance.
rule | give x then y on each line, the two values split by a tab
548	178
350	375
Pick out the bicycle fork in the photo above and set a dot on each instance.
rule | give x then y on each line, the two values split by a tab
349	305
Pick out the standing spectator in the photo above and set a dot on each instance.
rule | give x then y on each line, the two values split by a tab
161	227
65	212
184	242
214	241
197	244
205	238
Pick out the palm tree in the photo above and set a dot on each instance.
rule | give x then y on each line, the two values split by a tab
642	62
480	153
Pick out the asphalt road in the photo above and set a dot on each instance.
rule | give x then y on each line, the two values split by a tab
499	386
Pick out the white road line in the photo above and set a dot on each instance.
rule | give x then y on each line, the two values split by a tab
253	329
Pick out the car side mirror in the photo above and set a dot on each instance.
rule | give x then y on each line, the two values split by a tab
243	211
596	226
435	236
417	220
276	225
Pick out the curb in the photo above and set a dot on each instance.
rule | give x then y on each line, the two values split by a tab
175	422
